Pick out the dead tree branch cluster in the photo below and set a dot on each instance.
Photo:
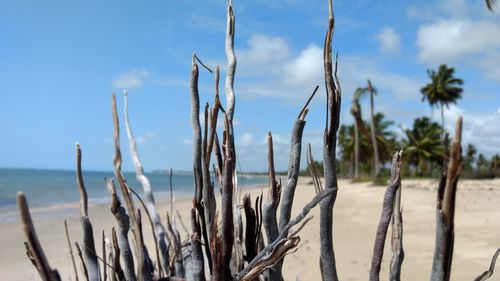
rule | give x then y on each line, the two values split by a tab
222	245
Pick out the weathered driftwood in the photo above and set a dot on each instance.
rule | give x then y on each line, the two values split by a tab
385	218
117	163
37	256
270	208
314	174
88	235
293	171
265	253
198	264
200	192
84	267
445	210
488	273
250	229
119	273
104	262
123	246
229	153
398	253
70	249
333	93
148	194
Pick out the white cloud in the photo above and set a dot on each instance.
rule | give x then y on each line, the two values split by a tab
142	139
131	79
390	41
246	139
479	128
293	77
491	66
451	40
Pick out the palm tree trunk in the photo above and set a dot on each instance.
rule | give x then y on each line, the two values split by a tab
356	151
376	168
442	121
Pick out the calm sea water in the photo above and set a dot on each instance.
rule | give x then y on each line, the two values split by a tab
54	189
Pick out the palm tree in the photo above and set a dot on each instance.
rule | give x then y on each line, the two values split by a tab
443	89
371	91
470	157
423	144
358	122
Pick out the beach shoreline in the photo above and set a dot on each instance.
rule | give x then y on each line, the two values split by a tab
356	215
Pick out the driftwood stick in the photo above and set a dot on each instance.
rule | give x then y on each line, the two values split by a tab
84	267
88	234
293	165
250	230
307	208
487	274
227	226
314	174
160	244
70	249
123	245
117	163
385	218
273	196
231	61
398	253
333	94
118	272
282	248
104	269
198	268
38	256
445	210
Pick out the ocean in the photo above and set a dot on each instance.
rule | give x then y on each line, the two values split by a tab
52	190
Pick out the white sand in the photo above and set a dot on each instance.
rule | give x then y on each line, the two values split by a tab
357	211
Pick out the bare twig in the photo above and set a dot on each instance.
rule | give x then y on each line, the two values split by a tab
84	267
283	234
118	272
121	242
88	235
333	94
445	210
385	218
160	244
117	163
398	253
198	269
487	274
70	249
314	175
37	255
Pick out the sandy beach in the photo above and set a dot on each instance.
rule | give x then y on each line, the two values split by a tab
356	215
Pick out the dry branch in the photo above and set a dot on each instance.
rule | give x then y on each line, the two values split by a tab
385	218
84	267
88	235
70	249
117	163
122	245
148	194
37	255
118	273
333	93
487	274
445	210
307	208
198	268
398	253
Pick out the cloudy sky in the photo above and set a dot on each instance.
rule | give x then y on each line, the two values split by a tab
61	61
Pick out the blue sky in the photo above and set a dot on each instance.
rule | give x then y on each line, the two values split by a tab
61	61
